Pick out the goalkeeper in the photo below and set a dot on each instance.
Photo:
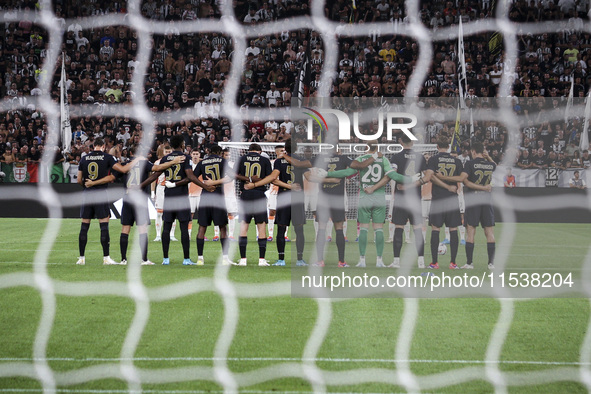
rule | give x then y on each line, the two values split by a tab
372	199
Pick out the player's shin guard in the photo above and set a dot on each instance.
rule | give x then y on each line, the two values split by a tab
271	225
398	232
83	238
419	241
469	252
453	243
340	236
123	242
281	241
185	239
262	247
242	242
166	226
362	241
200	243
173	229
435	246
300	241
158	224
231	225
105	238
320	242
144	246
328	232
379	234
391	229
490	248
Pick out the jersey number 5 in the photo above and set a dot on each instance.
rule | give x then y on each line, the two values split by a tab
213	172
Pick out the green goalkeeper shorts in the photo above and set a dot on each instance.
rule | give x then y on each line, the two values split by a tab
372	207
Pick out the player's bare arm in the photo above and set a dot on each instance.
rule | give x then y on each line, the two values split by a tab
297	163
182	182
312	176
359	165
474	186
266	180
168	164
191	176
80	178
217	182
420	181
456	178
381	183
430	177
106	179
124	169
152	178
290	186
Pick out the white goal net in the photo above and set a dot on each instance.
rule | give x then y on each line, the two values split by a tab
309	366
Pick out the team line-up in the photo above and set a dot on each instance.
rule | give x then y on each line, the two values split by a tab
179	175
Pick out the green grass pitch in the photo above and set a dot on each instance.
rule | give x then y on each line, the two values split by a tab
544	339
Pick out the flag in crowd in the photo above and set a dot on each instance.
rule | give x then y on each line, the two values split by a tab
584	142
66	127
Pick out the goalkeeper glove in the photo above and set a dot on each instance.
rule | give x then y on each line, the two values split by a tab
169	185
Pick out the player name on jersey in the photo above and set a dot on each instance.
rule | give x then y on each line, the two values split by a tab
484	166
93	157
443	159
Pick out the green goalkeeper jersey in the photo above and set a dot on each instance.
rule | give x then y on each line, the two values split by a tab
372	174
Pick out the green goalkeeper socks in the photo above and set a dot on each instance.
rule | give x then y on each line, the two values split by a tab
363	241
379	233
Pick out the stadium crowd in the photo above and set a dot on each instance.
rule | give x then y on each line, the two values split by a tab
188	73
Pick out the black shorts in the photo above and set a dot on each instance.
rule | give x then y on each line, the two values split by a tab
480	214
445	211
401	215
98	210
294	214
138	214
212	211
331	207
290	209
254	209
176	208
479	210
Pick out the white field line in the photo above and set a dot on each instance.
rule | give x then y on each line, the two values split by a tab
293	359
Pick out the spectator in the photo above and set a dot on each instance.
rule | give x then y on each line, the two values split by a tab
576	182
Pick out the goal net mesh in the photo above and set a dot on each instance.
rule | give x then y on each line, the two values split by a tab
307	366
